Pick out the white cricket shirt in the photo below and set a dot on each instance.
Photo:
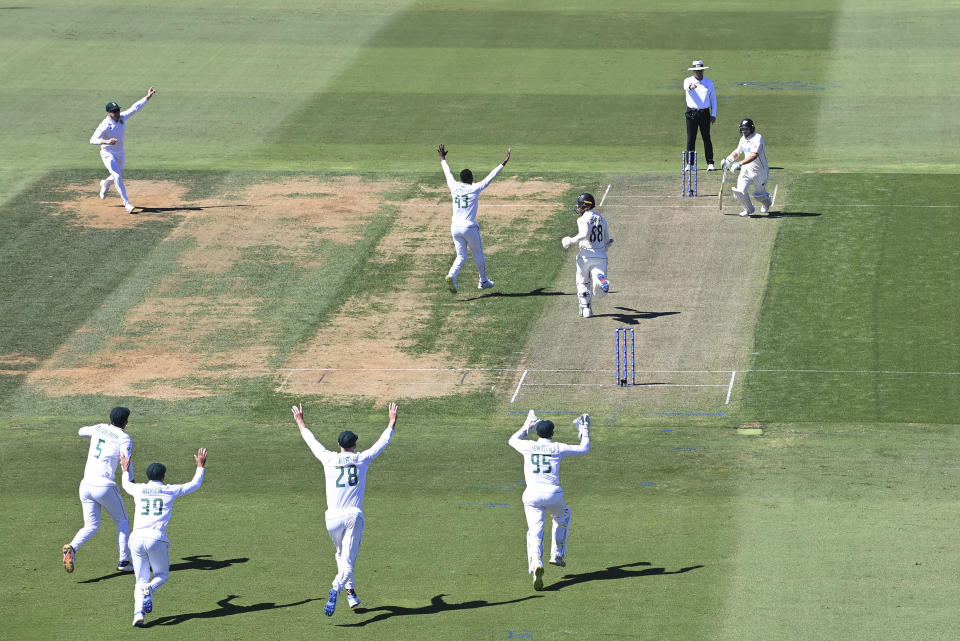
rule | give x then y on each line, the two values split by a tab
346	472
703	96
541	458
107	443
592	235
114	129
465	196
754	145
153	502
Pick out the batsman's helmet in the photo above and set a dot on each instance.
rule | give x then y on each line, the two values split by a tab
746	127
585	202
112	106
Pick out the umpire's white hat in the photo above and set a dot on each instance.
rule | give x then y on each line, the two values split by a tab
697	66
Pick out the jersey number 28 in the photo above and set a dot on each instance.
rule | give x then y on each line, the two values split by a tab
350	471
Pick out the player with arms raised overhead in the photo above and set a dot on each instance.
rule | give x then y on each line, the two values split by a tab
98	489
463	225
153	502
346	477
593	238
754	169
109	135
541	470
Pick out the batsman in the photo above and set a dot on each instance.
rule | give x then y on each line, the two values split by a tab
593	238
754	169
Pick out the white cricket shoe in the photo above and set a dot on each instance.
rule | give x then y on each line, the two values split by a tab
586	311
104	188
744	213
352	599
138	620
765	206
147	598
125	566
451	284
129	207
538	579
710	167
485	284
558	561
686	168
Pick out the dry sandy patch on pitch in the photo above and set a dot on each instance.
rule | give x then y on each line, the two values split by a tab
166	344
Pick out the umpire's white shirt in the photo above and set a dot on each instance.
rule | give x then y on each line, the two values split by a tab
754	145
153	502
465	196
346	473
703	96
541	459
107	443
111	128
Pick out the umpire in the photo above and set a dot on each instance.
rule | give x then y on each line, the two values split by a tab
701	110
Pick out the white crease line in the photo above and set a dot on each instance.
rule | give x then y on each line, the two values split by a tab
518	386
733	375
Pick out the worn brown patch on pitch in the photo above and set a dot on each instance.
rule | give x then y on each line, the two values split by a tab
167	347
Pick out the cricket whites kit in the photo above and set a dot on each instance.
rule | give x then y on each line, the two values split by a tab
463	225
346	483
153	503
754	173
593	238
543	494
113	155
98	488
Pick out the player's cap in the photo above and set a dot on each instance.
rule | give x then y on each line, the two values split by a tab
119	416
347	439
697	66
156	471
544	429
112	106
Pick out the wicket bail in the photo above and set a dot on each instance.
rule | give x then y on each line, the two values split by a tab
688	174
621	335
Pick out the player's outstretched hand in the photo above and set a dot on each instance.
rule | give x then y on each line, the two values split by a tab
150	92
201	457
298	415
442	151
392	411
507	159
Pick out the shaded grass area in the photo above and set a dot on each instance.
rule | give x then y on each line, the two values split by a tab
866	295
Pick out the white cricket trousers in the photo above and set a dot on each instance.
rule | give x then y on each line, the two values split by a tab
114	161
92	498
589	271
744	183
464	237
346	531
148	553
536	503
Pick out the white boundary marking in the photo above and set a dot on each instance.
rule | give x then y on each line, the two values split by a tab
518	386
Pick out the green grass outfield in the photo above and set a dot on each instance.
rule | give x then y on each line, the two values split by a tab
837	522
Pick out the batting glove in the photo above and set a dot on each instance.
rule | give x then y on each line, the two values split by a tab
566	242
735	166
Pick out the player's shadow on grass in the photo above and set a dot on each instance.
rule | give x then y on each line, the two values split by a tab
437	605
789	214
224	609
167	210
539	291
629	316
195	562
614	572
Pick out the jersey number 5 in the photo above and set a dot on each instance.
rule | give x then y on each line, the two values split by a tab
541	463
351	474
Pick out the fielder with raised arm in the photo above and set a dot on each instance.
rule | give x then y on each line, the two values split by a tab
593	238
153	503
109	136
463	225
754	169
346	481
541	470
98	489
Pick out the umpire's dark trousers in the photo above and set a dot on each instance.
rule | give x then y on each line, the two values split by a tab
699	119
